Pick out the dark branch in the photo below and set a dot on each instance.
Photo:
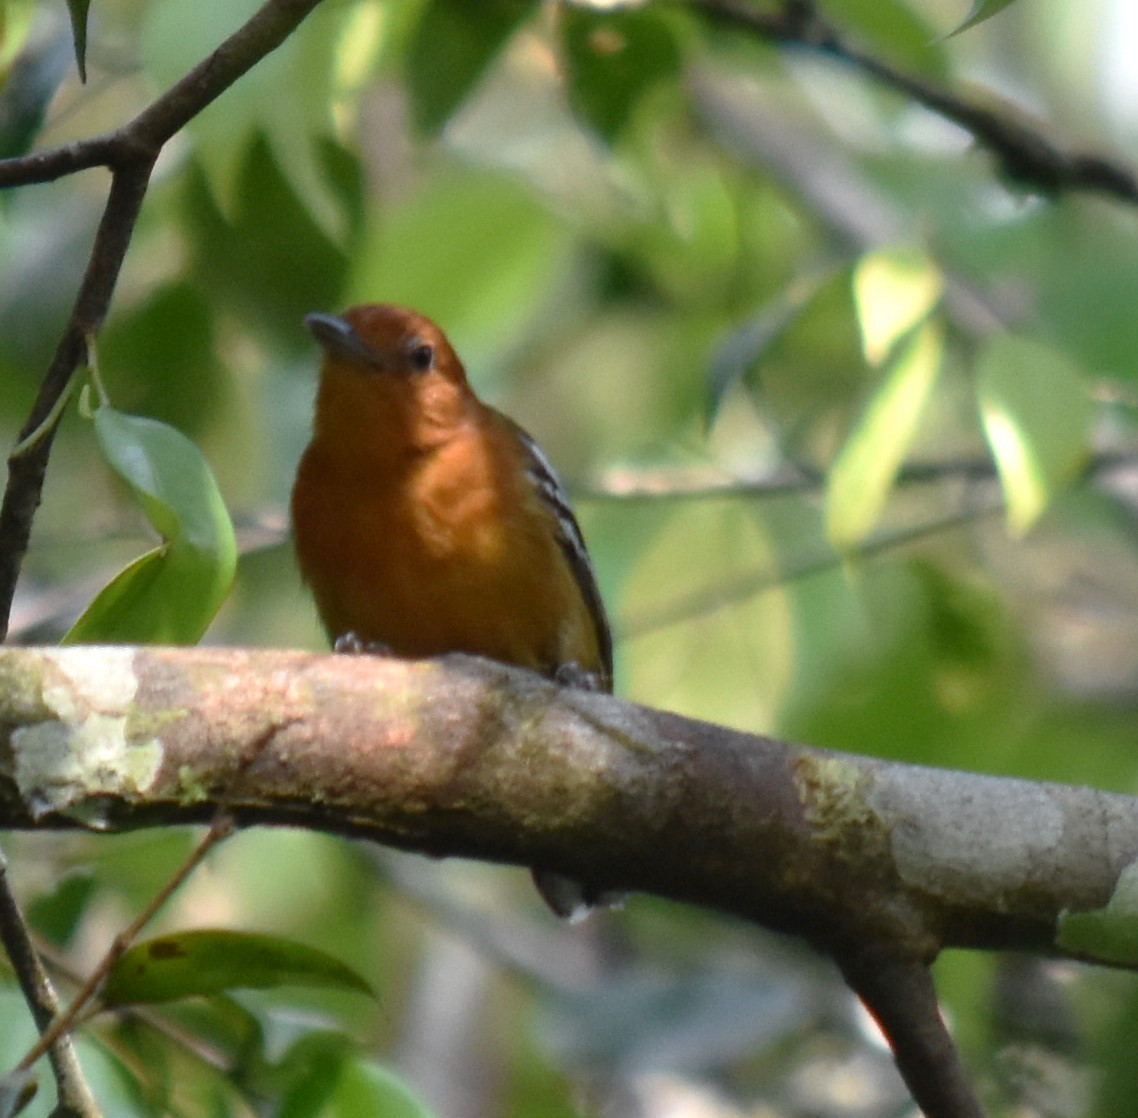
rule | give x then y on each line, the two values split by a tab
130	153
900	996
1026	155
142	139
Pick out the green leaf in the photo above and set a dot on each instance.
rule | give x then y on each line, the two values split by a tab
744	346
205	962
310	1071
863	473
169	594
504	252
1110	934
811	379
894	30
175	37
612	59
56	914
367	1088
453	45
163	352
1036	408
981	10
78	12
894	290
245	259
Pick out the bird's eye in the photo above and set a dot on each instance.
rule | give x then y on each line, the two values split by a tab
422	357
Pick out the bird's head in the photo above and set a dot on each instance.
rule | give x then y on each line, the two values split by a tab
391	359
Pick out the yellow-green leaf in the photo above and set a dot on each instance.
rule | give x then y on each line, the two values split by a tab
863	473
1036	408
894	290
204	962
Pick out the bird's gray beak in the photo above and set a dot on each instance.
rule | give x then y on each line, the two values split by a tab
338	339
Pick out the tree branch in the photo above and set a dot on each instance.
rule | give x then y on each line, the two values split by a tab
130	153
1026	155
75	1099
881	865
462	756
899	994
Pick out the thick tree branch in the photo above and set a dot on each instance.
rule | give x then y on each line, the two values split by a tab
879	864
466	757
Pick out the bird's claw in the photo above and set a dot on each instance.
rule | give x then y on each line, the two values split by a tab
573	675
350	644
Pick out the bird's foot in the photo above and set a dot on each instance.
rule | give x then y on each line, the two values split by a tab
573	675
350	644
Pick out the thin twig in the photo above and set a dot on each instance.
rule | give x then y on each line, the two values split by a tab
75	1096
221	828
711	599
195	1046
667	484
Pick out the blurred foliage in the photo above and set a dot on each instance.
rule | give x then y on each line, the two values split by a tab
693	265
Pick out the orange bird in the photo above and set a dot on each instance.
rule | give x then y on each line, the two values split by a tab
427	522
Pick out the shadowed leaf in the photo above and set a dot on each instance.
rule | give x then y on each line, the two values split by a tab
204	962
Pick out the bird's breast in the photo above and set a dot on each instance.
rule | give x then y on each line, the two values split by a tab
446	553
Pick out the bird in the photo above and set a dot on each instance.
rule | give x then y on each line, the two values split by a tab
427	522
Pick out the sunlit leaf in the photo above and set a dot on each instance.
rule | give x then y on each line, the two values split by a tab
453	44
981	10
171	593
894	289
204	962
78	12
1036	409
863	473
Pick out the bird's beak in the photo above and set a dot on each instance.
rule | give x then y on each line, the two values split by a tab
338	339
